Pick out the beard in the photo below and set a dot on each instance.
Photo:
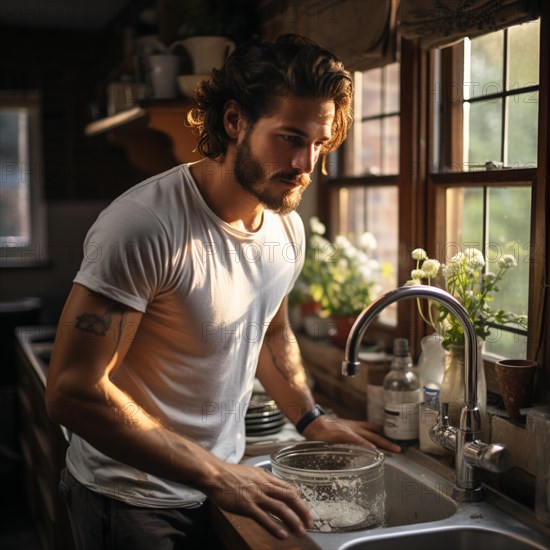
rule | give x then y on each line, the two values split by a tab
252	177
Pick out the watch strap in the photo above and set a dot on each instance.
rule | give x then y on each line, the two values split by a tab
308	418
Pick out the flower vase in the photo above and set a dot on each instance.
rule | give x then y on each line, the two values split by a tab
452	386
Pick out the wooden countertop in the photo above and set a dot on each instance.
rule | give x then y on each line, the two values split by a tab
241	533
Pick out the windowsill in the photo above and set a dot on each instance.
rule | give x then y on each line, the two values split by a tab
21	264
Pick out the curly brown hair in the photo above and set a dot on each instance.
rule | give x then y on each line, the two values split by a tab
258	74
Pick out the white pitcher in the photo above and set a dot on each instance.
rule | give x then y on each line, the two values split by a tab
206	52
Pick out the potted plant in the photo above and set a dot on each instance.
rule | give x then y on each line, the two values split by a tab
340	276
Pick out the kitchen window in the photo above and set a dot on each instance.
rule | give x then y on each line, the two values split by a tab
470	140
22	223
366	178
484	151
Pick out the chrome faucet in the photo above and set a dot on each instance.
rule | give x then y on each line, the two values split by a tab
470	452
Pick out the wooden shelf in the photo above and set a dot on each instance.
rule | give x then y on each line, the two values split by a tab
154	134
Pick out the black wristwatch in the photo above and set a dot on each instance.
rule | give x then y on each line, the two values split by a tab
308	418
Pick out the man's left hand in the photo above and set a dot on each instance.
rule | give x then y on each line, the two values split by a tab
341	430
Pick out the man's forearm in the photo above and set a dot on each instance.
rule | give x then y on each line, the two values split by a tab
281	372
111	421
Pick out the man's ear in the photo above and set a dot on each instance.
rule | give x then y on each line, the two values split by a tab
233	119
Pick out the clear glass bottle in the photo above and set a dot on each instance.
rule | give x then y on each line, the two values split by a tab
402	396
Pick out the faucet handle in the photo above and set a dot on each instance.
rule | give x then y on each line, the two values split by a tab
493	457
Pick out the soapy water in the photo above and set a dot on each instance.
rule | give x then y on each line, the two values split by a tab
332	517
344	505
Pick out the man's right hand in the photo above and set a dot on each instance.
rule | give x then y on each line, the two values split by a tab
254	492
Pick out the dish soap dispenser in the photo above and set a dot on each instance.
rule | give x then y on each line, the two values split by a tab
402	396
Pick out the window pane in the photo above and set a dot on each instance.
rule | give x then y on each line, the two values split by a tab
508	233
390	133
522	115
508	225
523	53
509	213
14	182
375	209
372	93
371	144
464	220
482	128
485	65
506	343
391	91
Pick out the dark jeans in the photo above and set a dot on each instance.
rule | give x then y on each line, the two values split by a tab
102	523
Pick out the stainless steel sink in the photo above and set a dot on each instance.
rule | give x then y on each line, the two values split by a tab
457	538
420	513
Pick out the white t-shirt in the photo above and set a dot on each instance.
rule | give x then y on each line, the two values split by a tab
208	292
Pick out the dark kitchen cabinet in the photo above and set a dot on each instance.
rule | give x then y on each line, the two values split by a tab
43	447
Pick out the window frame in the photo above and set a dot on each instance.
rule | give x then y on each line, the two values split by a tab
36	252
422	194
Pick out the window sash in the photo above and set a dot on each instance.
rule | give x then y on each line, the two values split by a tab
33	250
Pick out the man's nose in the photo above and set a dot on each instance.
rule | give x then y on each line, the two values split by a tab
305	159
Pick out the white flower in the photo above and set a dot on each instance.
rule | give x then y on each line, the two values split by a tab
475	257
318	243
417	274
489	277
374	264
342	243
367	241
366	273
430	268
459	257
476	262
455	265
361	257
316	226
507	261
413	282
419	254
472	252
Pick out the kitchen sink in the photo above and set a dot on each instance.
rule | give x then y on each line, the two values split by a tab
459	538
421	513
36	344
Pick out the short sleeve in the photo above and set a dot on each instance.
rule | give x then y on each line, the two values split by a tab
126	255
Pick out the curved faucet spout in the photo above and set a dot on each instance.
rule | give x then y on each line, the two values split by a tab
471	452
351	363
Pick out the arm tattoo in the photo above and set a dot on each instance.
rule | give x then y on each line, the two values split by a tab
100	324
287	363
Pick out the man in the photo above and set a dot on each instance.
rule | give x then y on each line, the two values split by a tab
180	303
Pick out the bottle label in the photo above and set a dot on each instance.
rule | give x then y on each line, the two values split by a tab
401	414
430	396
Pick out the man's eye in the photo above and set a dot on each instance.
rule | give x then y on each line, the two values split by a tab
294	140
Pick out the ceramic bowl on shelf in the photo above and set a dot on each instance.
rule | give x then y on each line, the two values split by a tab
187	83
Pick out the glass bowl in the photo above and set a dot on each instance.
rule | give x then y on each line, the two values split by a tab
342	484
